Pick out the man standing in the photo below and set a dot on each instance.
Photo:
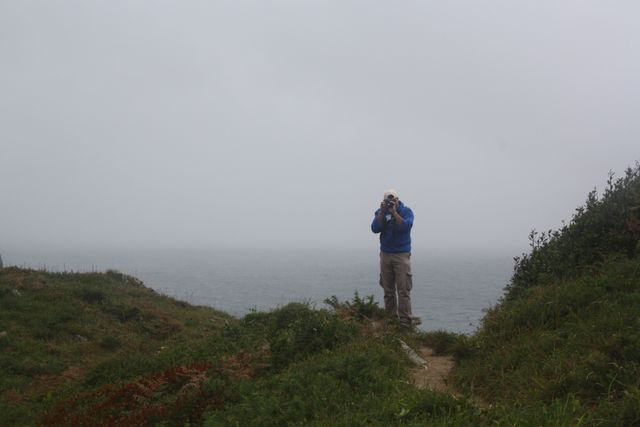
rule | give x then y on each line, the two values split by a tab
394	221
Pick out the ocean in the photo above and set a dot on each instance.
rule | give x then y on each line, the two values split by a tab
451	289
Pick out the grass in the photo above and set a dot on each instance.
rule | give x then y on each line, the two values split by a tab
577	339
181	364
66	331
565	338
302	366
561	348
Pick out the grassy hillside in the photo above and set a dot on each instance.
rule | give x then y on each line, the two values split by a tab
561	348
67	332
101	349
567	333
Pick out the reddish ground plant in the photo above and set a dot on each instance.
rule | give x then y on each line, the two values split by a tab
243	365
176	394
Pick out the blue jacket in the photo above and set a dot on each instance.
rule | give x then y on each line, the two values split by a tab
394	238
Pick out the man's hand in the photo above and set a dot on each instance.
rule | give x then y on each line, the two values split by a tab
394	212
381	212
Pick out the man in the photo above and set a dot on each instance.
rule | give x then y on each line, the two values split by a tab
394	221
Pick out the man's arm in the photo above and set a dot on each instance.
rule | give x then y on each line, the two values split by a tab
396	215
406	222
378	221
381	212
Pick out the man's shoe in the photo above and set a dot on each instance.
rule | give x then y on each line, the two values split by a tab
405	325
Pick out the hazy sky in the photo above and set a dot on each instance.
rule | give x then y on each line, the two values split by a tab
281	123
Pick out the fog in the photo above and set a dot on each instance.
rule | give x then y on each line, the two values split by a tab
225	124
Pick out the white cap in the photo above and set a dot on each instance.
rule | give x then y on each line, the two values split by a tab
391	192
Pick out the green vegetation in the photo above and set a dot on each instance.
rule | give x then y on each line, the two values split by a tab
87	349
567	333
561	348
63	333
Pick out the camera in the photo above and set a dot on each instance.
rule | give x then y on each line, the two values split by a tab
389	202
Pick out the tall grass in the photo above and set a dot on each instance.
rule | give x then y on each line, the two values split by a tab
568	327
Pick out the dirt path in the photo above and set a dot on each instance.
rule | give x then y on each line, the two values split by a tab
433	373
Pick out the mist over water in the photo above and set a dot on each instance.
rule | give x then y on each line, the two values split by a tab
450	289
147	124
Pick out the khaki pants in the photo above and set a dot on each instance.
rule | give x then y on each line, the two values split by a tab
396	280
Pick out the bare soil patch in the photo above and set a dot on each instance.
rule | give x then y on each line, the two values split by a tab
434	372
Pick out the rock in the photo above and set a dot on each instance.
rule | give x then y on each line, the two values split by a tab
411	353
16	292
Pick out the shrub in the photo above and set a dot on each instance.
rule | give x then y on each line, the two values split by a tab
115	370
122	312
360	308
92	296
110	343
602	227
443	342
299	332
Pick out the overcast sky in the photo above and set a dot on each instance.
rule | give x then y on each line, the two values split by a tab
281	123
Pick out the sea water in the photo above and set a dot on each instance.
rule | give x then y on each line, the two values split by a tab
451	289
